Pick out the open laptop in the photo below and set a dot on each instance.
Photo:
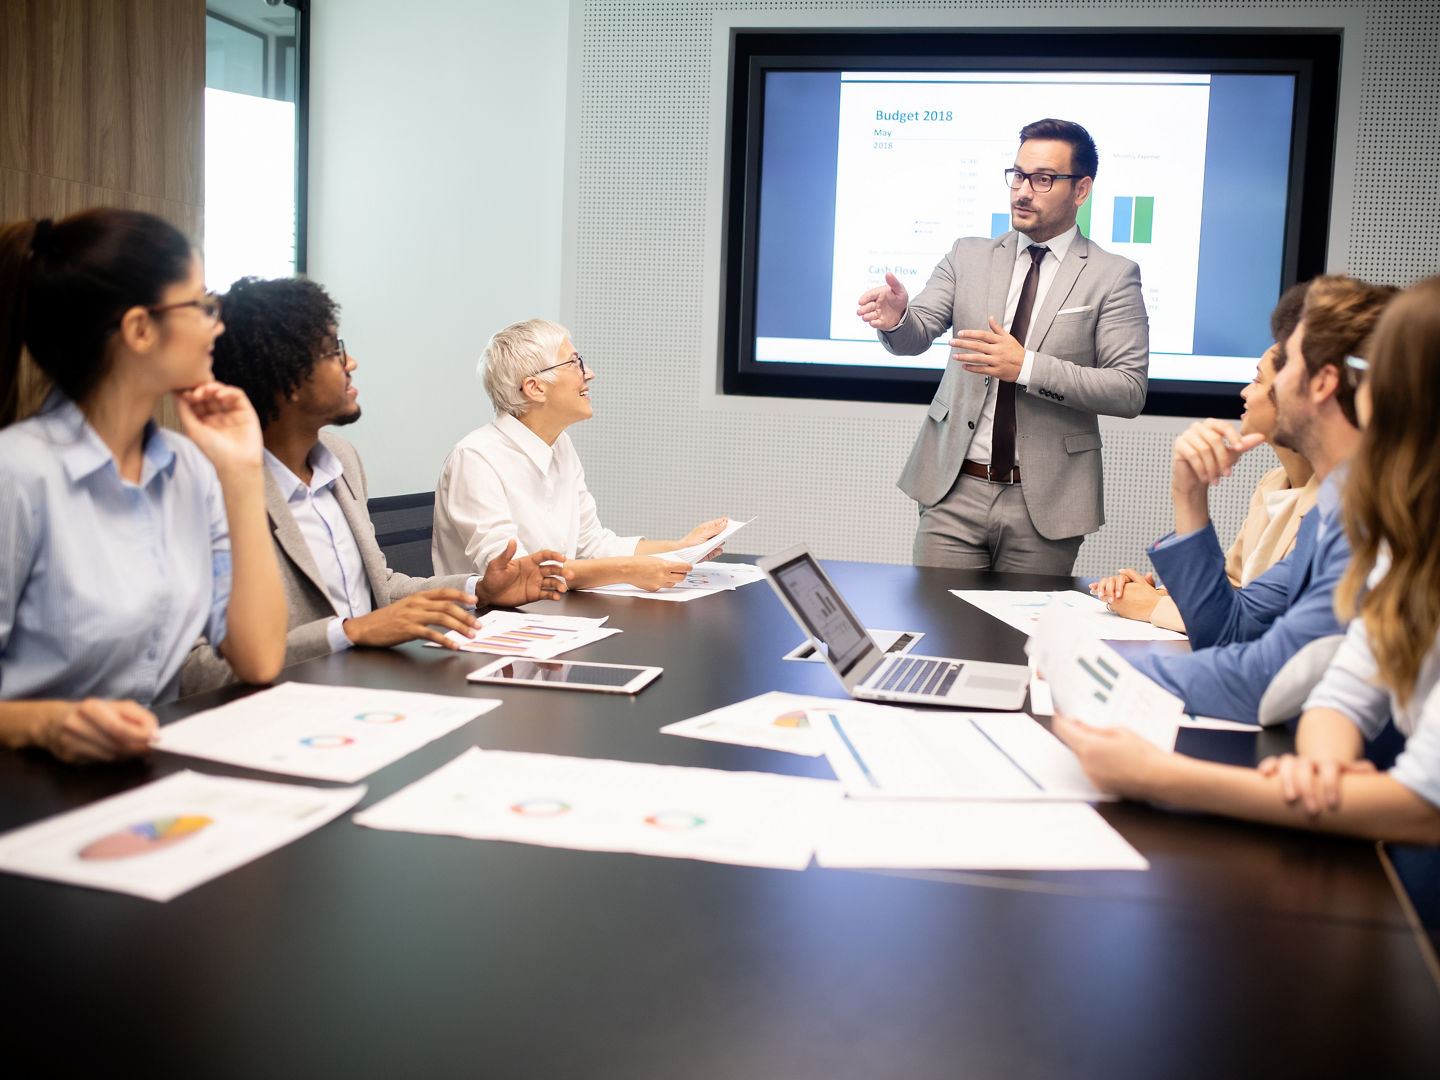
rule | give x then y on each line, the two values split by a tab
869	674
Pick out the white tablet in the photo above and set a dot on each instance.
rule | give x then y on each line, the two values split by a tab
567	675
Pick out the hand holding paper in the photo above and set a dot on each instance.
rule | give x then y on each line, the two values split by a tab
698	551
1089	681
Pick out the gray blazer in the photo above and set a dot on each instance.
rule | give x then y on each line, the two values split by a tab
305	595
1093	358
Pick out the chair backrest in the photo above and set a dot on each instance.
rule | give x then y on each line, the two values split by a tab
403	524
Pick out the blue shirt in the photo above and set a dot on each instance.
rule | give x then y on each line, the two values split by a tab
1242	637
105	585
327	534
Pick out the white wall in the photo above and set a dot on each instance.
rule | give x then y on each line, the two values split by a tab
665	451
440	179
437	166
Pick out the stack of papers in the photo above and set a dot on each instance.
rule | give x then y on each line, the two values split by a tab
163	839
536	637
751	819
1022	610
324	732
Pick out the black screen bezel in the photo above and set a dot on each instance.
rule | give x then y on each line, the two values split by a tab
1311	56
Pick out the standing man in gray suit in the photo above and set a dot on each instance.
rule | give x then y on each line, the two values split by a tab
284	353
1049	331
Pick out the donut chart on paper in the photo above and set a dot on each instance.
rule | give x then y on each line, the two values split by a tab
145	837
541	808
675	820
380	716
326	742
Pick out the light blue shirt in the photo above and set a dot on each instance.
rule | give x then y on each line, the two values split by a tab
327	534
105	585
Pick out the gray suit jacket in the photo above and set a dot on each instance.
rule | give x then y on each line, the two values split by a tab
305	595
1091	340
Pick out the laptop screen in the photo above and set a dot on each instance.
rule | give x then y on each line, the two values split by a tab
826	615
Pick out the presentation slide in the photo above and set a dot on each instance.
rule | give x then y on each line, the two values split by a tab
868	173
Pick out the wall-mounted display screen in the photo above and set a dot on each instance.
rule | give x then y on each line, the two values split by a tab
866	161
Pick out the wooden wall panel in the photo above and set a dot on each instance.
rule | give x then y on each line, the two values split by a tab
107	94
102	104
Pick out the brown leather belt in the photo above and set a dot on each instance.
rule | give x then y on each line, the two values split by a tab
974	468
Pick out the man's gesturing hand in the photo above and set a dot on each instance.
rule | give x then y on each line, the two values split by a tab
989	352
1204	454
413	617
510	582
884	307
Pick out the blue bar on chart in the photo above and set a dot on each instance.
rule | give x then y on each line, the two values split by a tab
1124	205
999	224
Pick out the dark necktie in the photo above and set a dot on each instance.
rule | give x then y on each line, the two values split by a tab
1002	434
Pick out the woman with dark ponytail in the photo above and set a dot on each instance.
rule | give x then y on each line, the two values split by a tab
121	543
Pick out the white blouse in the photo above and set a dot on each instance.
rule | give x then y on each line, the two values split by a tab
501	483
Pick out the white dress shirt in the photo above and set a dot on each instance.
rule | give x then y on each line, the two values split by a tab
327	534
1049	266
501	483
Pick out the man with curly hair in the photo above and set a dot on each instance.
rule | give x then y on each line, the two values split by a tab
282	349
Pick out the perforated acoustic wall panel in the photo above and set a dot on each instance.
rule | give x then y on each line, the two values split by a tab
663	452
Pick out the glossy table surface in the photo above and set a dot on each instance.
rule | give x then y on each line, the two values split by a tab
353	952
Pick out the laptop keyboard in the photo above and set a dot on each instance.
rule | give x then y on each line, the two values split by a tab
911	675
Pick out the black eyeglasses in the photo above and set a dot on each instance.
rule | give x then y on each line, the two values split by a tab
1040	182
576	359
209	306
338	352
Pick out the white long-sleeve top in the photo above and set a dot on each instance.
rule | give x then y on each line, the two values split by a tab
503	482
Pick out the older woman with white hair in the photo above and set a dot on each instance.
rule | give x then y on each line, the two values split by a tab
520	479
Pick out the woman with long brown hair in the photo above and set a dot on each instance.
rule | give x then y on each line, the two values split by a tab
120	543
1389	665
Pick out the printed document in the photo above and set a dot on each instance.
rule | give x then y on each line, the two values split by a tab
1089	680
746	818
773	721
323	732
889	753
972	836
163	839
535	636
696	552
1022	610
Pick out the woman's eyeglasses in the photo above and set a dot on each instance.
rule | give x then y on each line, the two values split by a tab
209	306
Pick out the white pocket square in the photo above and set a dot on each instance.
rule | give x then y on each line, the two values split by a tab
1074	310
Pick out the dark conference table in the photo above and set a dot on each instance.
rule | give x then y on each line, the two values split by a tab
1243	951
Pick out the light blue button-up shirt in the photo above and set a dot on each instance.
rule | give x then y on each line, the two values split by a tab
327	534
105	585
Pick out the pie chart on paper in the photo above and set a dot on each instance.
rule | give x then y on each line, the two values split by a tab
146	837
796	718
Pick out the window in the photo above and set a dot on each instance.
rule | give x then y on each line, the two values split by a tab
255	74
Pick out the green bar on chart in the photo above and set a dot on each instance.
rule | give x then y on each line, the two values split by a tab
1083	218
1144	217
